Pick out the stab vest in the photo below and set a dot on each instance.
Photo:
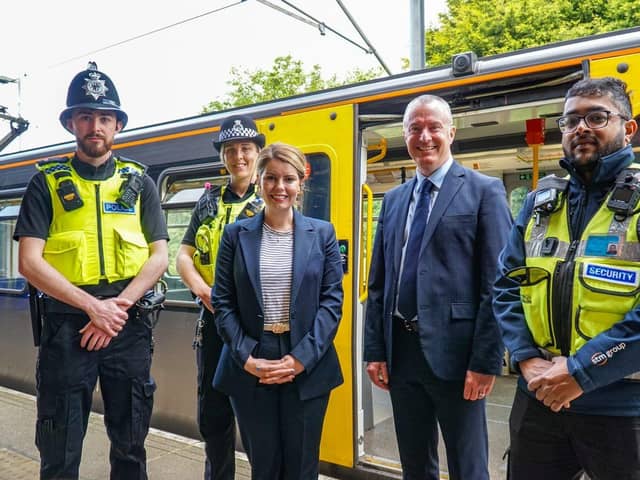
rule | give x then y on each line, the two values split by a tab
574	289
92	237
210	231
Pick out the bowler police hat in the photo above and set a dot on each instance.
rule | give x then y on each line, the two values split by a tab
95	90
239	127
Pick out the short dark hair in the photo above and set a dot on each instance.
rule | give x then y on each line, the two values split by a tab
611	87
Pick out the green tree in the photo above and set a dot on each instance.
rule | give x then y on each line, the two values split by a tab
286	77
489	27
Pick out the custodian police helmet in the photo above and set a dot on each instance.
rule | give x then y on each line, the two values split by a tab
95	90
239	127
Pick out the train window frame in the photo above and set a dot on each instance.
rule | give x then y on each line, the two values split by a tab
11	282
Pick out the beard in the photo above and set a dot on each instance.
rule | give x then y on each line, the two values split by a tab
588	163
93	150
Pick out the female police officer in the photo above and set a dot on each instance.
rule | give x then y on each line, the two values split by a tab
239	144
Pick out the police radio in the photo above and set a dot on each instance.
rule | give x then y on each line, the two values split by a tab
130	189
625	195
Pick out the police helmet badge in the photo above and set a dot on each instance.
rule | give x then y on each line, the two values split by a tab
95	86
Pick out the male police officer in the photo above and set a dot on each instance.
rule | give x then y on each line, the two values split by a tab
93	239
567	300
239	144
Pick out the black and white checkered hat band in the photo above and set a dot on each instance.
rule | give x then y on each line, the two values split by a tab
237	132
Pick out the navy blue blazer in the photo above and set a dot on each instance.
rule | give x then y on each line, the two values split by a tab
315	309
468	226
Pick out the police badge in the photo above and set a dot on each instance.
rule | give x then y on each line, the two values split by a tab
95	86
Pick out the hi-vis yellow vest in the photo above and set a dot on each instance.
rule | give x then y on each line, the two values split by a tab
210	232
99	240
573	290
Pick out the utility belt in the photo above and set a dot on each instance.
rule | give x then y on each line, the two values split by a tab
149	305
547	355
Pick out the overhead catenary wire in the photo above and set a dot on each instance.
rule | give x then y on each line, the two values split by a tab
364	37
322	25
146	34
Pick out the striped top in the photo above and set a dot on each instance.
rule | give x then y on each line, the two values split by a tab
276	272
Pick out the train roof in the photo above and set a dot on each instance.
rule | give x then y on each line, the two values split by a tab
493	77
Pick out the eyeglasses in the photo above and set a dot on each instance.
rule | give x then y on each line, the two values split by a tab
595	120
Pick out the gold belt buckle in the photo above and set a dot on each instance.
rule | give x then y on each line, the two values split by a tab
279	327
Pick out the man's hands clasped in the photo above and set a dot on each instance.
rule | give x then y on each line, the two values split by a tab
108	317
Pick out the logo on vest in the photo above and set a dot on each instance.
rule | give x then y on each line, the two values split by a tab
605	273
113	207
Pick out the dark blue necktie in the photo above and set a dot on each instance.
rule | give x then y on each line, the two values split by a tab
407	296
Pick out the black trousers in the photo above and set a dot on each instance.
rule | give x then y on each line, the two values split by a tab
215	415
280	433
66	376
563	445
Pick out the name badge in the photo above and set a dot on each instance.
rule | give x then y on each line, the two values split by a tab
607	273
114	207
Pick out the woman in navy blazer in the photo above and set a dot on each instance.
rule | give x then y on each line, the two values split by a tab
278	301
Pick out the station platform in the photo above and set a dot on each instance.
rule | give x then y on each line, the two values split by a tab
169	456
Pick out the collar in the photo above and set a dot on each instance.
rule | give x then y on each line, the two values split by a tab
437	177
89	172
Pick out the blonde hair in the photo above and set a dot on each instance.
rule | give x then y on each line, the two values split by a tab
285	153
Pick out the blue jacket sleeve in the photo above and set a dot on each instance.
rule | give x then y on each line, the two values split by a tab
507	305
315	343
609	356
494	223
224	300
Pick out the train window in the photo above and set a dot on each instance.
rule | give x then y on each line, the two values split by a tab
316	200
516	199
10	279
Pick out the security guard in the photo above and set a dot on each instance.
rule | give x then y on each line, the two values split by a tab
239	144
567	300
93	239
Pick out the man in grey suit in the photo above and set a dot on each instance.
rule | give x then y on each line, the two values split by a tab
430	335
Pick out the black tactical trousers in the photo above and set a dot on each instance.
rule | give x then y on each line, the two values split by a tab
215	415
66	376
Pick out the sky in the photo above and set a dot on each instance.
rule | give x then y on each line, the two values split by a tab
175	71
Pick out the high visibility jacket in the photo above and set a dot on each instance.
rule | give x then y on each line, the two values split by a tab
210	231
574	289
92	237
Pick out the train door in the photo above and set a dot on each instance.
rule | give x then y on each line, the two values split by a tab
327	138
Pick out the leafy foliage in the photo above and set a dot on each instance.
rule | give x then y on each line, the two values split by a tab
286	77
489	27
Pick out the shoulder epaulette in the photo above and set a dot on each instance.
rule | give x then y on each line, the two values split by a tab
54	164
553	182
141	166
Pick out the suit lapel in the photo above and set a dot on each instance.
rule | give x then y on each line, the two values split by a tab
452	182
401	221
250	237
303	238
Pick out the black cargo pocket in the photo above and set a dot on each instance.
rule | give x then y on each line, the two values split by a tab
51	428
141	408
